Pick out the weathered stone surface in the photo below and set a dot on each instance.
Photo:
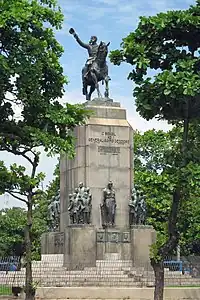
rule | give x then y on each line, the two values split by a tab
142	237
115	293
103	153
113	242
52	243
80	247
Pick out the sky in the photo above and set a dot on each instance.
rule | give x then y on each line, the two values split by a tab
110	21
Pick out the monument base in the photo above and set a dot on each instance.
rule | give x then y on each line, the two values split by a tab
52	243
83	245
80	247
142	237
113	240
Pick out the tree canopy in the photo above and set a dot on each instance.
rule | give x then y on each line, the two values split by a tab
152	175
32	80
168	44
32	115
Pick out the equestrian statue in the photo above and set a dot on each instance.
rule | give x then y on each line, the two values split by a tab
95	69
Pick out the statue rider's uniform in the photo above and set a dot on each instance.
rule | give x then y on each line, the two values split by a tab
92	51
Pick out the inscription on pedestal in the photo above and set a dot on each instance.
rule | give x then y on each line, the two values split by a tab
108	137
108	150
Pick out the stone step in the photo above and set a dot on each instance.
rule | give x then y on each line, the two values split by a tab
94	284
110	265
112	256
93	272
83	270
52	257
117	273
114	261
127	282
173	280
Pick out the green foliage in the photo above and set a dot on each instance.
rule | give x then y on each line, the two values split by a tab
31	83
150	163
18	182
12	226
167	43
12	223
31	79
154	167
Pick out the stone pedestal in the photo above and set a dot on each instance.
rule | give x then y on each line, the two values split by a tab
103	152
113	241
142	237
52	243
80	247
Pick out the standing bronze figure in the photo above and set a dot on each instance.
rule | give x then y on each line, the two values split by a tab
96	68
54	213
108	207
137	208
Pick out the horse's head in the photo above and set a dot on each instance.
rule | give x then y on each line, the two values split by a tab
103	50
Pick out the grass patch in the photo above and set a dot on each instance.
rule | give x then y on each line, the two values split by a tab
5	290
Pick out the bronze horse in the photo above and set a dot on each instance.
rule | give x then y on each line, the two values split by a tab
97	72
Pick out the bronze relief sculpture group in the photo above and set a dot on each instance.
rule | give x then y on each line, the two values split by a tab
80	206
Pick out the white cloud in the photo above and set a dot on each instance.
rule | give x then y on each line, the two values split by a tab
124	12
142	125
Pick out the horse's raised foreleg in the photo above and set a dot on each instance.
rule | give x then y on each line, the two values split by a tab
107	79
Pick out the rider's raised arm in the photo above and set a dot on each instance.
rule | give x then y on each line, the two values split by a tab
73	32
84	45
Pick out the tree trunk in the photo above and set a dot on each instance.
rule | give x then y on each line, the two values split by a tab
29	280
159	280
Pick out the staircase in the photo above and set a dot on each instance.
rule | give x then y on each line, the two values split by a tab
109	272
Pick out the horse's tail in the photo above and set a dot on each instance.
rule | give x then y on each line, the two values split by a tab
102	82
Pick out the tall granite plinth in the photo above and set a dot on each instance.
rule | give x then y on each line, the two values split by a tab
103	153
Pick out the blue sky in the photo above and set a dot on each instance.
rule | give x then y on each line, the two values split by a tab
110	21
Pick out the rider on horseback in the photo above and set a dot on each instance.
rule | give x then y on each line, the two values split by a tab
92	49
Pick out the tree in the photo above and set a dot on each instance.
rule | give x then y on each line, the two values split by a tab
12	226
169	44
151	152
41	207
151	177
13	222
31	81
